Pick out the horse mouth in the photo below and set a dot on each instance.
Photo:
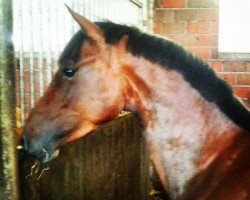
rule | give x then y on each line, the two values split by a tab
43	157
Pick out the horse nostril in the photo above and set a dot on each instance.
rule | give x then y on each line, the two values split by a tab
45	154
41	155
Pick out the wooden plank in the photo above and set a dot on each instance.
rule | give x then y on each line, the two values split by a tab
109	164
8	162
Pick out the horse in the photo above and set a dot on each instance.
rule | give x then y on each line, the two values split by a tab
196	130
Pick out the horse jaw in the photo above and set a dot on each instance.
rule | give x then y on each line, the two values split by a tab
84	129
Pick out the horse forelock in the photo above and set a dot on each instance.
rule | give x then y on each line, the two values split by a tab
72	51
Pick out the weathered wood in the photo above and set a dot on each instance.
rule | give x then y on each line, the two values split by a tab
108	164
8	172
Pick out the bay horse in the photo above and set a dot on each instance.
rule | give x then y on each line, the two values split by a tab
197	131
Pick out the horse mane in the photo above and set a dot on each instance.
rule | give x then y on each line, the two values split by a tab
174	57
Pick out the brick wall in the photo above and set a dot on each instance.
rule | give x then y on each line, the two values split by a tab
194	24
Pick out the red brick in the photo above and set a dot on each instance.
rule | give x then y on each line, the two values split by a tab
242	92
17	84
157	27
207	40
26	76
173	3
27	99
202	3
217	65
230	78
163	15
37	87
18	104
195	40
235	66
185	15
186	40
248	66
17	75
228	63
26	66
17	88
173	28
243	79
215	53
202	52
36	76
208	15
198	27
27	87
246	102
214	28
16	64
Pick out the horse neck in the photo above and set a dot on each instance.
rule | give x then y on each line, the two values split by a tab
184	132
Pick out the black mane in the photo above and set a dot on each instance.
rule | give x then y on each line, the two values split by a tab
171	55
72	51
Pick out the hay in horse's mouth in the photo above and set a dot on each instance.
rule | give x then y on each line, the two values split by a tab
37	170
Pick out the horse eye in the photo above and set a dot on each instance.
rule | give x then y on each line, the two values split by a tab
68	72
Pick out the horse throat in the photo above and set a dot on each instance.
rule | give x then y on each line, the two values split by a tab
184	132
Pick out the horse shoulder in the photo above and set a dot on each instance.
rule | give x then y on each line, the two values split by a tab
227	177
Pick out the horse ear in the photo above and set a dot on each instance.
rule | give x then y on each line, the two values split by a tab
91	29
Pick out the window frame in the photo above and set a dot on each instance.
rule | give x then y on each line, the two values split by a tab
227	54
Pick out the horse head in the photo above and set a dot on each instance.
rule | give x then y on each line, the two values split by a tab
86	91
193	124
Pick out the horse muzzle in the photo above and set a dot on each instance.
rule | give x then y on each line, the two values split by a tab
43	155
